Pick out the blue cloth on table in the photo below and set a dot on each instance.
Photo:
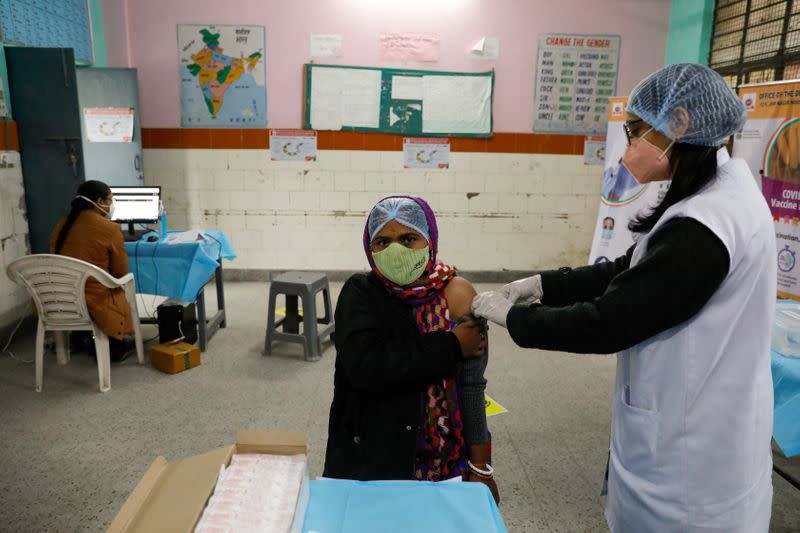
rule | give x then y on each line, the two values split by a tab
786	382
176	270
345	506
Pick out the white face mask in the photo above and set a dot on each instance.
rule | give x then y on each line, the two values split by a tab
109	213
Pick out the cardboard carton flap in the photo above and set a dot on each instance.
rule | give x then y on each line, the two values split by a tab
271	442
178	499
133	505
172	497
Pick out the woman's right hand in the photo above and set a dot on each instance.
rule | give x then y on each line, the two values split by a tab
472	338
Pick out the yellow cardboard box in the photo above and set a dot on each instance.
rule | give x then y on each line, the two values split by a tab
175	357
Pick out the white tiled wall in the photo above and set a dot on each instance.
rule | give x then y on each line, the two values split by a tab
495	211
13	238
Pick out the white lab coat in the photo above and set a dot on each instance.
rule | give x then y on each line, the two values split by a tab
692	413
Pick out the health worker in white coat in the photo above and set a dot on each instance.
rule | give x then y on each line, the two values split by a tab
689	310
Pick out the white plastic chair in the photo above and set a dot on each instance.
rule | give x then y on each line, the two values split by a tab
57	285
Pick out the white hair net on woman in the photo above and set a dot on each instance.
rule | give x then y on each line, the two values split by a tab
689	103
404	210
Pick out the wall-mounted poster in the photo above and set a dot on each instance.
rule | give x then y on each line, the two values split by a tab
293	145
621	197
108	124
575	77
426	153
223	76
770	143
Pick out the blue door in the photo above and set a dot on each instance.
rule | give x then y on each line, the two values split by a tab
44	102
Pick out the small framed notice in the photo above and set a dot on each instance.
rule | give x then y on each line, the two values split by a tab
293	145
108	124
426	153
594	150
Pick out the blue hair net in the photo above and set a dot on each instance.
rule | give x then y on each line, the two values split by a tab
404	210
712	110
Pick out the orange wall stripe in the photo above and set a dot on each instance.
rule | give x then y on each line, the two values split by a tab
228	138
9	139
233	138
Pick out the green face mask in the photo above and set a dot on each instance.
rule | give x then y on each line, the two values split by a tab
400	264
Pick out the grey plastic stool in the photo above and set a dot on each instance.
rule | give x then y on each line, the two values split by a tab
305	285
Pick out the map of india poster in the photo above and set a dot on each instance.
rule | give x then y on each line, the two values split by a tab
223	76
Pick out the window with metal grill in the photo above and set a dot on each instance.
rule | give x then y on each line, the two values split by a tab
756	41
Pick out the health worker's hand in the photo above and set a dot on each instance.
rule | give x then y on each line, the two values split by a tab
525	290
493	306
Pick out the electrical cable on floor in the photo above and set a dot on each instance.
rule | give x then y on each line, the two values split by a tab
150	314
147	311
11	338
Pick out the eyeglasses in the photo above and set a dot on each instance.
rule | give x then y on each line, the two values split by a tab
627	127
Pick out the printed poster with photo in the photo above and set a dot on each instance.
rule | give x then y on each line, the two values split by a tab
770	144
622	197
293	145
108	124
426	153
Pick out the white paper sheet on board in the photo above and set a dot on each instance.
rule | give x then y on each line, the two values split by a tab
345	97
456	104
361	98
326	45
326	98
487	48
407	88
491	49
409	46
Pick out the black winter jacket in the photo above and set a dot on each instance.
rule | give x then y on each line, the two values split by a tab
383	366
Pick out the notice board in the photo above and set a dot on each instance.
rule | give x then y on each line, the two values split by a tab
406	102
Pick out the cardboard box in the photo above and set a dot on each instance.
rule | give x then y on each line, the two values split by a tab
172	496
175	357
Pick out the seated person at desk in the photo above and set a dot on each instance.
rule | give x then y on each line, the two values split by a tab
408	399
88	235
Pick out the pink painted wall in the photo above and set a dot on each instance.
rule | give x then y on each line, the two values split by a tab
151	35
115	23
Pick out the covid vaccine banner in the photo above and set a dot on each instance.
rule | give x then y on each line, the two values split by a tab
770	143
621	198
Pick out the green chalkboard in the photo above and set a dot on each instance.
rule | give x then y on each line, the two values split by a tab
402	108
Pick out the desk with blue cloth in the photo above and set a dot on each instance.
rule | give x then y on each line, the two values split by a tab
786	387
786	423
181	270
345	506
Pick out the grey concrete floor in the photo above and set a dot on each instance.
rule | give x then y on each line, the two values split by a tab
69	456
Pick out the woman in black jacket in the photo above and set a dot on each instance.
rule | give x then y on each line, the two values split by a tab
408	390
